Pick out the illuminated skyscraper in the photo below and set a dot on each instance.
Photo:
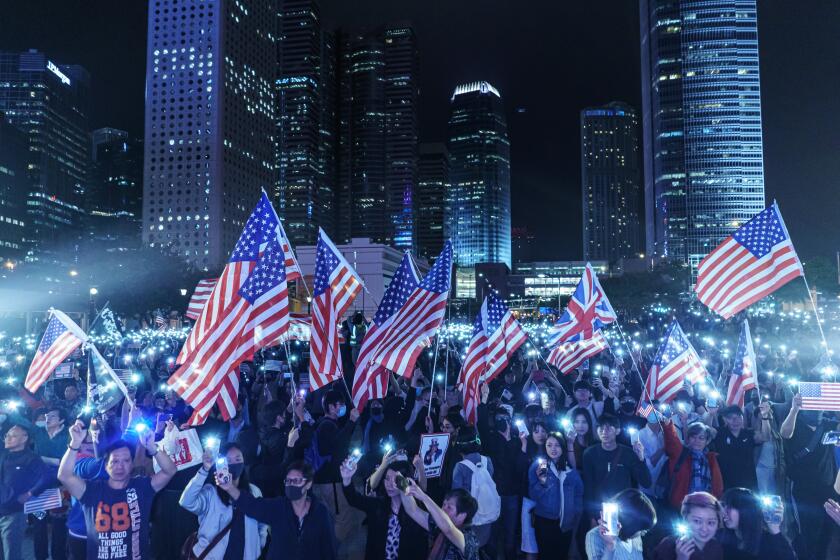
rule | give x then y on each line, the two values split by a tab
306	121
209	125
378	135
478	204
610	177
14	186
430	199
47	101
703	157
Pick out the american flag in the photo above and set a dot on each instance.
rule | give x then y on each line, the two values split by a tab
160	322
819	396
292	266
300	326
48	499
569	356
259	315
60	339
496	336
222	318
588	311
336	286
371	381
200	296
645	409
753	262
675	362
418	319
744	371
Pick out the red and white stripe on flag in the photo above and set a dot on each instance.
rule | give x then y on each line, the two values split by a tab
819	396
752	263
569	356
61	337
675	361
336	286
200	296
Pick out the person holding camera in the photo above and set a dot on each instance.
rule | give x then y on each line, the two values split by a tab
391	534
753	527
695	539
224	533
634	517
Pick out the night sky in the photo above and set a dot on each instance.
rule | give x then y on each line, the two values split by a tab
549	59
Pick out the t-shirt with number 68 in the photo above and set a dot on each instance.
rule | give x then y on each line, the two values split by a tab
118	520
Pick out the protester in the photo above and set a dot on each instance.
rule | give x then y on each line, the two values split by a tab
474	473
301	526
635	517
753	530
557	491
391	533
224	533
701	518
50	438
691	468
22	475
450	531
117	510
735	446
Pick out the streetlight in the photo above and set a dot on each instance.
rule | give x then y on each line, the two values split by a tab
74	273
93	291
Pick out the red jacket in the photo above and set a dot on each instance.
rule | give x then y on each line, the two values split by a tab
681	477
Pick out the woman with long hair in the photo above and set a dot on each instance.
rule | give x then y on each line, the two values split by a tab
535	448
581	436
557	491
753	527
223	528
635	516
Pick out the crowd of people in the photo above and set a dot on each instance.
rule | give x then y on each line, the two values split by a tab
555	466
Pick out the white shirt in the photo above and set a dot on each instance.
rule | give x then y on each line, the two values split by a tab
653	442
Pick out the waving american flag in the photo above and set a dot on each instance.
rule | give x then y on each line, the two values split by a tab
496	336
750	264
418	319
371	381
200	296
744	374
676	361
336	286
60	339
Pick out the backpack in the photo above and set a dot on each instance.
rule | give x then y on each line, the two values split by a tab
483	489
313	456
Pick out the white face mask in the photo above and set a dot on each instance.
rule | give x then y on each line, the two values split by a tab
41	423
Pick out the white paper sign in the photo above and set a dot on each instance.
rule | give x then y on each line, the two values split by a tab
432	450
184	448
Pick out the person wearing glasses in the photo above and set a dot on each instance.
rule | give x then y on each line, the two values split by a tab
301	526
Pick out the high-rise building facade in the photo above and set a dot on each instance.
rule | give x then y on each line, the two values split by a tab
430	199
113	201
478	203
48	102
701	115
306	121
378	138
14	186
209	126
610	180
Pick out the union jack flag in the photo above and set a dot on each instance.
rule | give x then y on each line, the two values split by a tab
496	336
588	311
675	362
750	264
568	356
60	339
371	381
336	286
744	371
247	307
418	319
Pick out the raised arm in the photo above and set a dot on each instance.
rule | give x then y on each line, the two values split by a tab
789	425
418	515
66	474
167	468
442	520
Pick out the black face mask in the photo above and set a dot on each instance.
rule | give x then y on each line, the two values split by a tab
294	493
628	407
501	424
376	414
236	470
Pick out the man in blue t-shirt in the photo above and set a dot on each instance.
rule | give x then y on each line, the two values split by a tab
117	510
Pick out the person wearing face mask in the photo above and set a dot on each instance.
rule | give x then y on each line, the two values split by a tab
653	440
301	525
391	534
330	444
701	518
810	466
50	439
224	532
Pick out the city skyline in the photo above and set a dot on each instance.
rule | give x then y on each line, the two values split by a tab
797	139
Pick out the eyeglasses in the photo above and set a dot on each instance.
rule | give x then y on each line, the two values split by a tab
297	481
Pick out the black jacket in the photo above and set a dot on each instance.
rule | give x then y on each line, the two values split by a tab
316	539
413	539
21	472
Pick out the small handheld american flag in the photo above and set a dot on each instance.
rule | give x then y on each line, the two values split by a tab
49	499
819	396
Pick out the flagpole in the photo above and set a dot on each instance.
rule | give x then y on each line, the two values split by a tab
816	313
434	367
638	371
